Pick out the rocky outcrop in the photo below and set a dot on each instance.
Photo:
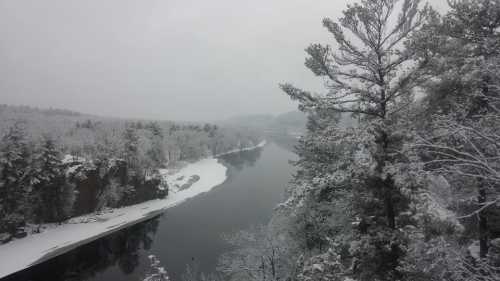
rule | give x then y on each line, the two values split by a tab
111	184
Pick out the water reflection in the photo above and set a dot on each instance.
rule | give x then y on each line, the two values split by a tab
189	234
121	249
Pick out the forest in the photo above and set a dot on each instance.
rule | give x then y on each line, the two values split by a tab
408	189
58	164
398	170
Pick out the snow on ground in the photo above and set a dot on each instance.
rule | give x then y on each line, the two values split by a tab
474	250
175	180
58	239
68	158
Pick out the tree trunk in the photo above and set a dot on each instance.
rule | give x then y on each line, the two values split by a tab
387	184
273	265
389	204
482	223
263	268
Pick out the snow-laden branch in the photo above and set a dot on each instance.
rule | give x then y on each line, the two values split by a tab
483	207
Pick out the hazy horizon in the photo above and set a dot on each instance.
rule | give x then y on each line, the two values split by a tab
171	60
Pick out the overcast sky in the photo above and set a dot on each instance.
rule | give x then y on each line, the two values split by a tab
159	59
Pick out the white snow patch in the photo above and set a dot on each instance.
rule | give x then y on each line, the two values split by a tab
318	267
71	170
438	210
23	253
474	250
68	158
175	180
261	144
437	199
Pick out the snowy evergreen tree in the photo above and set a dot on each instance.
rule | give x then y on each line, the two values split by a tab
462	138
156	151
372	76
15	179
131	146
54	196
155	129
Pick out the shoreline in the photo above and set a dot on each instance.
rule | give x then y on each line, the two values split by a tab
34	249
259	145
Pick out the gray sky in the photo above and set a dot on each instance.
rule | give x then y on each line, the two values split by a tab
159	59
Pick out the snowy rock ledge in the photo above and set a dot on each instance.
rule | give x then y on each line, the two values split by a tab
56	240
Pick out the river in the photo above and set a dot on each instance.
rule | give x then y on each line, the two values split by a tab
188	234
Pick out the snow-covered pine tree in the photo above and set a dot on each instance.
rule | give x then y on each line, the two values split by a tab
15	179
53	196
462	137
131	146
371	76
155	129
156	151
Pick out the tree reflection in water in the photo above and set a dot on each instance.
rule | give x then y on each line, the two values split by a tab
121	249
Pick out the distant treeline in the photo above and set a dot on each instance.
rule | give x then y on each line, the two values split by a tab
45	111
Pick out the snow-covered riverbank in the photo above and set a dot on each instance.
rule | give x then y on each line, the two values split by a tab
59	239
55	240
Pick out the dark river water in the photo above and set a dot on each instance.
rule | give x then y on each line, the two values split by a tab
189	234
